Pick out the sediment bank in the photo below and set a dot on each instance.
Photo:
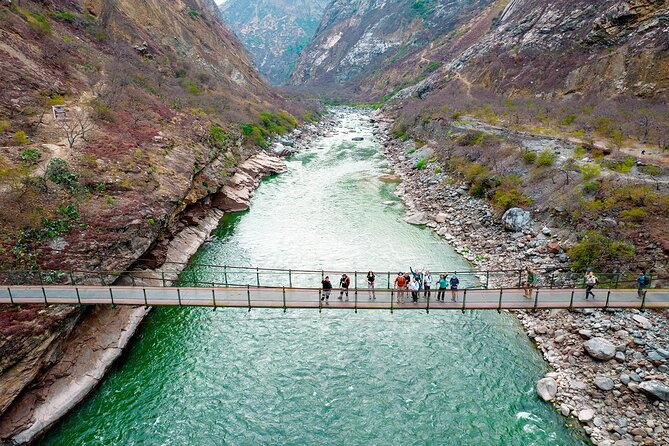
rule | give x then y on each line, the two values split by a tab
620	400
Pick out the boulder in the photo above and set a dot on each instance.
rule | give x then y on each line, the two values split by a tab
642	322
604	383
515	219
655	389
586	415
553	248
547	389
441	217
419	218
600	348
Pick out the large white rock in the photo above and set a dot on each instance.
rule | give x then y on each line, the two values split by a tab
586	415
547	389
600	348
642	322
441	217
604	382
515	219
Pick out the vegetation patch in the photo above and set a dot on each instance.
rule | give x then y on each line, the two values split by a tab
60	173
596	250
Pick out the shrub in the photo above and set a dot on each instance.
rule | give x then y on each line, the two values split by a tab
421	164
20	137
504	199
651	170
546	158
529	157
59	172
471	138
636	215
278	123
400	134
192	88
64	16
193	13
591	187
590	171
596	250
568	120
437	170
30	156
36	21
4	125
579	151
56	99
626	165
217	137
476	173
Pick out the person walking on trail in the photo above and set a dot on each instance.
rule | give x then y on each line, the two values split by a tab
641	284
400	284
531	283
590	282
427	284
327	289
454	281
414	286
443	284
344	282
370	285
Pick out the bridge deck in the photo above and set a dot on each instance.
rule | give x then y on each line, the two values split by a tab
474	299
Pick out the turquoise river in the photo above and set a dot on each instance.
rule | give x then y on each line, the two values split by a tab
232	377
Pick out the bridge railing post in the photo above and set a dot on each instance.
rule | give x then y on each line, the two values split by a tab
45	299
520	278
392	300
464	301
320	300
571	300
179	296
248	295
225	275
76	289
499	306
608	296
111	296
290	278
388	279
487	279
213	297
643	300
11	298
284	299
258	277
355	305
536	300
146	302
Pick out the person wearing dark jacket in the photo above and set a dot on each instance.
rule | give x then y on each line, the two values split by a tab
327	288
344	282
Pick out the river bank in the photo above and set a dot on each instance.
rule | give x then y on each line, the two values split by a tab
608	395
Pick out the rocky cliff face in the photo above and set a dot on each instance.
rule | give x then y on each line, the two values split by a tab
274	31
509	47
358	39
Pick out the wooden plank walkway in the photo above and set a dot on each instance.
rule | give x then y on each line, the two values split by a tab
472	299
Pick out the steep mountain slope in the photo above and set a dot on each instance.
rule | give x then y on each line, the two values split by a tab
357	39
274	31
155	95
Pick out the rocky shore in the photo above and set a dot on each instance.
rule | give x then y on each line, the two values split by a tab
609	368
71	368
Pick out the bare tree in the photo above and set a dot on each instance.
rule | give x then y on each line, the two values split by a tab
75	126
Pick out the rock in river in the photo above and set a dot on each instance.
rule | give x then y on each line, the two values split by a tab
419	218
547	389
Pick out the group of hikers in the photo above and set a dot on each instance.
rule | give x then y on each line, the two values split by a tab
413	282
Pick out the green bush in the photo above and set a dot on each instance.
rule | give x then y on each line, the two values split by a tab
651	170
278	123
30	156
217	137
64	16
36	21
471	138
59	172
546	158
529	157
596	250
4	125
568	120
590	171
193	13
504	199
192	88
636	215
591	187
421	164
20	137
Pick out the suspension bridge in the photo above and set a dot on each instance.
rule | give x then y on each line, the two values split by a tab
247	287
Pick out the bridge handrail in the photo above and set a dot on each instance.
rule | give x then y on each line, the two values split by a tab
554	278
